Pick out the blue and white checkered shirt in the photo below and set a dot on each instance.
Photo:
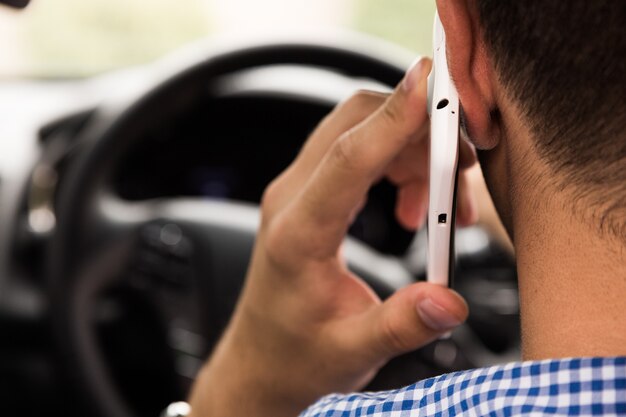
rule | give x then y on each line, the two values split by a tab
563	387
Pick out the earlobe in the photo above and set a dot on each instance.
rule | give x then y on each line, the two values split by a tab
471	70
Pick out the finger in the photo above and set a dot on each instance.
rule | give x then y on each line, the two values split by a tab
467	209
467	154
356	160
412	204
411	164
345	116
411	318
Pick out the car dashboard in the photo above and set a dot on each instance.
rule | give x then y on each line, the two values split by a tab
234	141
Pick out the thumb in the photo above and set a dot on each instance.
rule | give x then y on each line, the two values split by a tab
411	318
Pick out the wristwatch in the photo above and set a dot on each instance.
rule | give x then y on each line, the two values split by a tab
178	409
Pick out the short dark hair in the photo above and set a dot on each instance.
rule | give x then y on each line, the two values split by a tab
564	63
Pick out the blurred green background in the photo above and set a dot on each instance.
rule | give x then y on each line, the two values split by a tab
408	23
74	38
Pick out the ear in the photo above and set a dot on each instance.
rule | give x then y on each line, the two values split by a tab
471	70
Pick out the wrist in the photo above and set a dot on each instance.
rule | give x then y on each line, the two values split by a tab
240	379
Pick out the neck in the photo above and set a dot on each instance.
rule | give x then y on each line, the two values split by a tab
572	282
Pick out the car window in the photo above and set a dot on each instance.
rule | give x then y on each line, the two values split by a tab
75	38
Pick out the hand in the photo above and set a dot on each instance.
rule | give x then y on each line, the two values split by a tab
305	325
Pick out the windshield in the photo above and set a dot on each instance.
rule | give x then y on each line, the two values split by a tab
76	38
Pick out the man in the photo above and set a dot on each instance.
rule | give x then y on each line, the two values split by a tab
542	84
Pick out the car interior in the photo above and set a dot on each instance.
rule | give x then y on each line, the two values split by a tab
129	204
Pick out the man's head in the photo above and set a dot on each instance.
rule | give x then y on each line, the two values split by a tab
560	66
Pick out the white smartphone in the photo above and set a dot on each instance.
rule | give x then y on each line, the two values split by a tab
443	108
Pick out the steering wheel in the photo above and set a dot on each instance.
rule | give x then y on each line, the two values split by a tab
181	260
